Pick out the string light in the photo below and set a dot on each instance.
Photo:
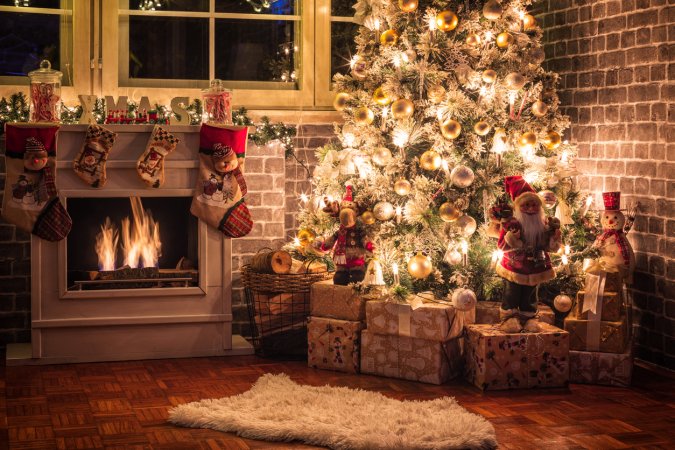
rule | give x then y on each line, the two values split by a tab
400	137
465	250
394	271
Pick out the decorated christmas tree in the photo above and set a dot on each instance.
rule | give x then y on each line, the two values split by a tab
442	102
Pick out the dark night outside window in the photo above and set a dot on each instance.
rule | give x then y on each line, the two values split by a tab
26	39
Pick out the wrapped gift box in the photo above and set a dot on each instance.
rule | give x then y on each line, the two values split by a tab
333	344
610	302
431	320
337	302
488	313
597	335
497	360
410	358
611	369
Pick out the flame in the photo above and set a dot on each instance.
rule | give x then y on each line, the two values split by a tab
106	245
140	240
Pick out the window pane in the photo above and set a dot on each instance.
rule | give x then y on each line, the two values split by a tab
27	39
342	8
255	50
342	46
169	48
257	6
55	4
167	5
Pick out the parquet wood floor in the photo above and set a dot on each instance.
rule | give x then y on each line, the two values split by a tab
125	404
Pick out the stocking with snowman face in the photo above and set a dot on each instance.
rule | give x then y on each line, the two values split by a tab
219	194
31	201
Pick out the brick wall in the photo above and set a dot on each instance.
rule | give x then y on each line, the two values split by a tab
615	61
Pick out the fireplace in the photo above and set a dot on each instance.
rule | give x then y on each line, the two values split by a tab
129	308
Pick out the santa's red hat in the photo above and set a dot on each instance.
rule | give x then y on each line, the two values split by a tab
520	190
348	199
612	201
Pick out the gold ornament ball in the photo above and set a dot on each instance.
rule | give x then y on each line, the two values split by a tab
528	138
462	176
492	10
380	97
430	160
389	37
436	93
368	218
537	56
515	81
306	236
359	70
473	40
402	186
529	22
381	156
420	266
481	128
463	72
364	116
407	5
402	109
467	225
562	303
539	108
451	129
383	211
340	101
504	39
447	21
552	140
489	76
548	198
448	212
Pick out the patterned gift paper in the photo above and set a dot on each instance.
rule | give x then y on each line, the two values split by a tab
612	336
497	360
337	302
611	369
333	344
488	313
432	321
409	358
612	306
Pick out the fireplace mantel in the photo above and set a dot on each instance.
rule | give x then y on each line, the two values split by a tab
116	324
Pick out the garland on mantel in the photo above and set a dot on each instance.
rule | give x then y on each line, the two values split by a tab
16	109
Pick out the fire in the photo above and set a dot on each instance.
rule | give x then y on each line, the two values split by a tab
140	240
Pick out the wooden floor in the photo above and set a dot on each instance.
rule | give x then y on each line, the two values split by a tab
125	405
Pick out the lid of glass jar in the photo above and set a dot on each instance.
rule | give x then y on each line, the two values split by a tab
45	73
215	87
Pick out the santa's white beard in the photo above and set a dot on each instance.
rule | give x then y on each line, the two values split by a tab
534	228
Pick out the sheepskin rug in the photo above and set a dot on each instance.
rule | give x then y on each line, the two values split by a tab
278	409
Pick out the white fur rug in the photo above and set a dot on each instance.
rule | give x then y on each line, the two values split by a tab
277	409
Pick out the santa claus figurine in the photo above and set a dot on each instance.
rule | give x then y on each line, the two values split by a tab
616	252
349	244
525	240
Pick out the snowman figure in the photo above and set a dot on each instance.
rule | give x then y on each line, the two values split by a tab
615	250
210	186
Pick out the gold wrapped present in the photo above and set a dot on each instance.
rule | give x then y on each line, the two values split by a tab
609	306
610	369
337	302
436	321
333	344
597	335
488	313
409	358
497	360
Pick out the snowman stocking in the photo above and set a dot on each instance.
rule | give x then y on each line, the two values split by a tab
90	162
150	166
220	191
31	201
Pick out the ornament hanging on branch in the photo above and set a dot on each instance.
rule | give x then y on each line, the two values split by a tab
430	160
492	10
420	266
462	176
447	21
340	101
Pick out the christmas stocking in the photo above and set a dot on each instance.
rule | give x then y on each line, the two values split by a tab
90	162
220	191
31	201
150	165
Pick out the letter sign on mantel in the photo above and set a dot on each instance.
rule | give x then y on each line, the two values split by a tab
88	102
120	105
177	106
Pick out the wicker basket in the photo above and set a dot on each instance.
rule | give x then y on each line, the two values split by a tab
278	306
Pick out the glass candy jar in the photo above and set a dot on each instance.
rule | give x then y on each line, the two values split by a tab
217	103
45	93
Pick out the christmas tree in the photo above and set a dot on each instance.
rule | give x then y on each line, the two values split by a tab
442	102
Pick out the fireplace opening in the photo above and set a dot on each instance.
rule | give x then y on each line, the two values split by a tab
132	243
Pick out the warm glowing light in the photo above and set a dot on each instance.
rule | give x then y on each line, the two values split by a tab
353	61
106	245
497	255
400	137
567	250
304	198
394	271
296	242
531	176
377	24
349	139
488	36
465	247
432	24
140	241
564	157
565	261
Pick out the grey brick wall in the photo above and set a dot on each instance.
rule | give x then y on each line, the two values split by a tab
615	61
